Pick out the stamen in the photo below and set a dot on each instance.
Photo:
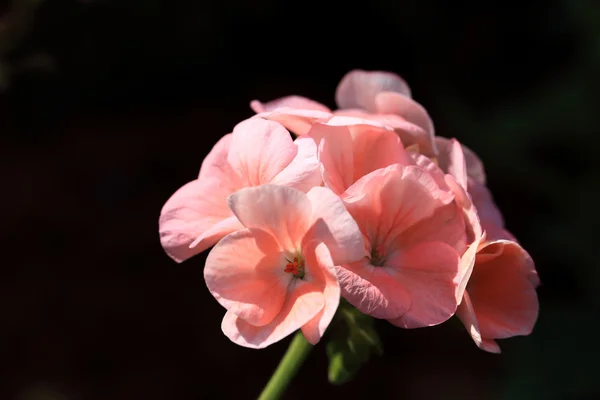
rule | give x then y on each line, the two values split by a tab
295	267
378	256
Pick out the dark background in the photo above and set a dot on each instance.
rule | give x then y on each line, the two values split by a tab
107	107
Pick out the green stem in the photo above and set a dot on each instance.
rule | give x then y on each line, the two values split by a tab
287	368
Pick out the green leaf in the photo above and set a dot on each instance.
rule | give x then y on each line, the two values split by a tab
371	337
352	344
343	362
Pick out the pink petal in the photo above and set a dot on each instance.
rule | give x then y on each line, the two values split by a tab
303	172
410	110
245	273
402	210
502	290
474	165
334	226
358	88
215	164
408	198
489	215
466	314
259	150
467	263
446	224
409	132
475	168
290	102
282	211
429	274
463	200
298	121
351	121
335	155
389	201
426	164
350	148
191	211
216	232
375	149
362	188
457	166
303	302
373	290
394	122
317	255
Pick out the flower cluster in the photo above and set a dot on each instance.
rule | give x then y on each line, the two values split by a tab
366	203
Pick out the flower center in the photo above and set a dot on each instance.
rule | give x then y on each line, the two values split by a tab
295	267
378	256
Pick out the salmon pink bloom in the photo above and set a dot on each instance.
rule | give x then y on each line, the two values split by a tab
383	97
414	237
257	152
498	277
500	299
277	274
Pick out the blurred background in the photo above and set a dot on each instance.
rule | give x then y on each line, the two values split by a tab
107	107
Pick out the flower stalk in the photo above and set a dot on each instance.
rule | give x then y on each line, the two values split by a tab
287	369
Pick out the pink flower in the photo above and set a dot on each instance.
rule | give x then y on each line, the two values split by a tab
498	277
500	299
257	152
277	274
383	97
489	214
414	236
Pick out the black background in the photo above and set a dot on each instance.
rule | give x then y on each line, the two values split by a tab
109	106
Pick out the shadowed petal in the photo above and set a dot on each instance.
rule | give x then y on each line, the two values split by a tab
502	290
373	290
489	214
467	316
398	104
474	165
358	88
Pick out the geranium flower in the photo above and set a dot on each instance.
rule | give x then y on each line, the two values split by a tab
277	274
257	152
